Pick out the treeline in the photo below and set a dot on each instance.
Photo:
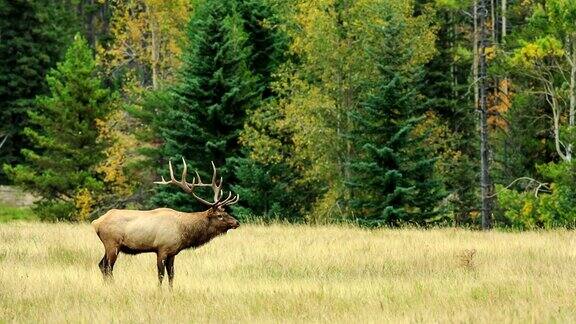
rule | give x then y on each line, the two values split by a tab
377	112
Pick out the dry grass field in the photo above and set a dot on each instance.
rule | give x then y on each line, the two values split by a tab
284	274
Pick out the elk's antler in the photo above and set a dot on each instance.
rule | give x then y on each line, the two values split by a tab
188	187
197	182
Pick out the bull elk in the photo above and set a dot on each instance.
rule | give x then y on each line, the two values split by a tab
165	231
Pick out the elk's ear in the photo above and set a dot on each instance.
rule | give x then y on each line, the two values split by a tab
211	212
214	211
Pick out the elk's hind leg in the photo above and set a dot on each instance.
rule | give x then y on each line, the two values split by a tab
111	256
161	264
170	269
102	265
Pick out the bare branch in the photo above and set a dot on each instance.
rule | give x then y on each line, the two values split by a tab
3	141
530	183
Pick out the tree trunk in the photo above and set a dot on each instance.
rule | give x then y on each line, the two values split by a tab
572	62
90	24
154	46
475	61
504	83
485	181
493	22
105	18
452	41
551	93
155	55
504	13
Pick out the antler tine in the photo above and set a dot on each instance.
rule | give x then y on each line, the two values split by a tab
171	170
230	200
229	195
184	171
162	177
184	176
214	173
198	176
215	186
182	183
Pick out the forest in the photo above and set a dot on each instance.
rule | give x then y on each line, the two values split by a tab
371	112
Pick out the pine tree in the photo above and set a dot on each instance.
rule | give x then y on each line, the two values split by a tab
67	147
210	102
33	35
393	178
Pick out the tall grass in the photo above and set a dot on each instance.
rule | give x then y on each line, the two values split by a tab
284	273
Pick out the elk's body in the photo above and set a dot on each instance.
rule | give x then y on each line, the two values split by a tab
163	231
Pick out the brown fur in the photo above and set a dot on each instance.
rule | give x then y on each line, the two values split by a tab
163	231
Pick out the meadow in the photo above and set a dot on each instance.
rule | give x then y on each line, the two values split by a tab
283	273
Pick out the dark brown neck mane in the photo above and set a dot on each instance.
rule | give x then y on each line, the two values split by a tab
196	229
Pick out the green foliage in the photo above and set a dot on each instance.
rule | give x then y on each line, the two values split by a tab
453	4
33	36
531	209
210	102
307	128
538	136
65	135
9	213
394	178
317	111
264	174
266	191
452	132
52	210
520	149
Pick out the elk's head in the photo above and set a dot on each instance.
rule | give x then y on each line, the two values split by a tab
219	219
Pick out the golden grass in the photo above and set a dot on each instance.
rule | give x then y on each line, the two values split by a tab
284	274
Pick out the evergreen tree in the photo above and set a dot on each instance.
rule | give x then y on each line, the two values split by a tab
67	146
393	178
268	191
210	102
447	90
33	34
269	44
256	178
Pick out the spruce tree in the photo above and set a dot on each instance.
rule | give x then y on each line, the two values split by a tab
257	179
66	146
393	179
33	34
447	89
210	102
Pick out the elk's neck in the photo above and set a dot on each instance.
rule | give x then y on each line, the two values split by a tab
196	230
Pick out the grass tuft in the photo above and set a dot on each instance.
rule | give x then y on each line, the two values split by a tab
466	259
